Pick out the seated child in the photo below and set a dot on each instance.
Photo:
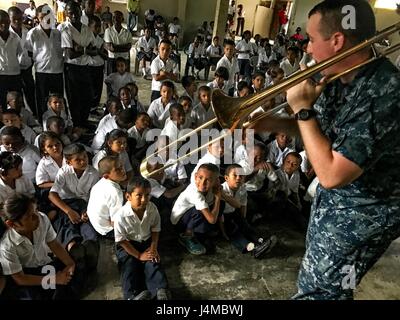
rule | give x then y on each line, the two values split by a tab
16	101
56	107
137	226
215	151
287	189
173	127
278	149
106	196
159	108
12	179
190	86
24	253
56	125
135	103
11	118
12	140
112	108
258	81
186	103
140	132
123	120
203	112
196	209
243	89
70	193
221	77
125	96
233	222
120	78
51	150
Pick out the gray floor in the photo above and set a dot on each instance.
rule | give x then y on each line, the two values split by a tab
228	274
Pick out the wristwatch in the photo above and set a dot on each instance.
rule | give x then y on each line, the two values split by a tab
305	114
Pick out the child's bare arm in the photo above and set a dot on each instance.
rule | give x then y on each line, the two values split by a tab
62	254
172	193
222	227
154	245
74	216
46	185
212	216
130	249
232	201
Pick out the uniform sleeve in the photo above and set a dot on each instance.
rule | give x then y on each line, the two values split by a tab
199	201
59	183
154	68
50	233
181	171
107	36
29	41
42	175
10	262
119	231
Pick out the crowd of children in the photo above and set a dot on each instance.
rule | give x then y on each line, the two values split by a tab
61	192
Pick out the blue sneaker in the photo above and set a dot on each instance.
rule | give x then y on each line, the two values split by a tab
192	245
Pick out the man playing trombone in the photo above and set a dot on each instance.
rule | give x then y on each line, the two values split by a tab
351	132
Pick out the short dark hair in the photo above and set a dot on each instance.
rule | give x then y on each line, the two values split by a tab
137	182
126	117
14	9
294	154
54	119
107	164
243	84
166	41
184	98
8	161
12	131
176	107
73	149
332	16
210	167
16	206
168	84
222	72
204	89
187	81
258	74
120	59
229	42
11	111
232	167
94	19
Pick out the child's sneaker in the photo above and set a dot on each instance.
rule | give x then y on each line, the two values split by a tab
265	247
163	294
192	245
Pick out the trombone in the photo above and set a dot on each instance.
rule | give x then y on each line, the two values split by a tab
232	113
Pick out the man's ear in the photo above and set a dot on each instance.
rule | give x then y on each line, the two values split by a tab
127	196
338	41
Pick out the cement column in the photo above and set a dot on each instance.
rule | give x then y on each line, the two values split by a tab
182	5
221	16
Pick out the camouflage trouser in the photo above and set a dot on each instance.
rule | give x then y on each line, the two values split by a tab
342	245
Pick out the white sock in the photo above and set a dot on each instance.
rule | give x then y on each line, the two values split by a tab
144	71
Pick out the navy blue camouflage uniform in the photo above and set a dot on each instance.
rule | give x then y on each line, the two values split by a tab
352	226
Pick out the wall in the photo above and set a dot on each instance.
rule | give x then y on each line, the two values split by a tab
5	4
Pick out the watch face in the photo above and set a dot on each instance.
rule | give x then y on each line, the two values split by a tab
303	115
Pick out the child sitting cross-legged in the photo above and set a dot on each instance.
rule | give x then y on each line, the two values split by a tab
11	118
106	196
233	224
24	254
196	210
137	226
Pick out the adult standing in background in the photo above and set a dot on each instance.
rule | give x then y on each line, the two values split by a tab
283	18
133	12
240	20
88	7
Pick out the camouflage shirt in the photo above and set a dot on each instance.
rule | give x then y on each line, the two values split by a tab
362	121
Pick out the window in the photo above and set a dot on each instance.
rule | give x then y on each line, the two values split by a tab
386	4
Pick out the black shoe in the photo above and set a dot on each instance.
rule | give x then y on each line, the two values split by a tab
265	247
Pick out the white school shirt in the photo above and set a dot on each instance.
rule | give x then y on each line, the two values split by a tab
18	252
97	61
196	52
30	12
241	157
233	68
214	51
207	158
10	55
147	45
172	131
158	113
106	198
28	118
139	137
288	68
243	45
176	171
188	199
213	85
101	133
22	185
275	154
305	163
50	113
69	186
28	134
286	184
127	225
47	51
111	35
240	195
47	170
117	81
174	28
262	56
31	158
123	157
200	115
84	18
156	66
257	181
157	189
25	61
70	35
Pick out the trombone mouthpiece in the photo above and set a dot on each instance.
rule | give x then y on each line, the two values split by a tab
143	169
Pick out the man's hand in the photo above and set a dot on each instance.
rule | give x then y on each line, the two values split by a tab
74	216
305	94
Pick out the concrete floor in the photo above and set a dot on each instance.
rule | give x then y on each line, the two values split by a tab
228	274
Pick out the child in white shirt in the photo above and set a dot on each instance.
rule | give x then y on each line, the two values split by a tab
278	149
120	78
203	112
106	196
11	118
159	108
